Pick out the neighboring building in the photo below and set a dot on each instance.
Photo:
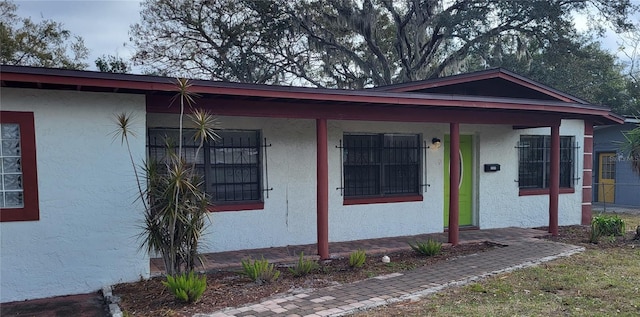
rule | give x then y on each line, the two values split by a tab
614	180
294	166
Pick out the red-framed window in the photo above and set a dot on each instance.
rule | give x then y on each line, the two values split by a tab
230	165
18	168
534	160
381	165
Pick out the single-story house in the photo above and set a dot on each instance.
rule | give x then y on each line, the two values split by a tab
292	166
614	180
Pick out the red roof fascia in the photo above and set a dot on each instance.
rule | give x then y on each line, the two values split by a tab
163	84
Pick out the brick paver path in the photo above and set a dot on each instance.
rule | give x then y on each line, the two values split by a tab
522	250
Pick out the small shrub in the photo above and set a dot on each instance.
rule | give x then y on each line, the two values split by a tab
303	267
357	258
605	225
261	271
429	248
186	287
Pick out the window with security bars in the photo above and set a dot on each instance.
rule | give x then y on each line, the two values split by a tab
11	189
534	152
381	164
229	165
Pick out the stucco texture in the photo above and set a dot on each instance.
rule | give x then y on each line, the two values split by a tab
86	235
289	214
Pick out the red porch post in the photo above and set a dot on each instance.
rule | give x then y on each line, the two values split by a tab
587	171
322	189
554	179
454	180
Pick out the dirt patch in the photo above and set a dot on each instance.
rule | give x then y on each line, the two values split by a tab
231	289
83	305
579	235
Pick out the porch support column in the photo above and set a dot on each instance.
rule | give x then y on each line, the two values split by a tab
587	172
322	208
454	181
554	179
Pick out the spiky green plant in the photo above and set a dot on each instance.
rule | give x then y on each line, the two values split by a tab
303	266
260	271
175	205
357	259
428	248
186	287
631	147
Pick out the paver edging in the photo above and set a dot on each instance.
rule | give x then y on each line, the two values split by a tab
111	301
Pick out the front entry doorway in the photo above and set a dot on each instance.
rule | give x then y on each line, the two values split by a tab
466	180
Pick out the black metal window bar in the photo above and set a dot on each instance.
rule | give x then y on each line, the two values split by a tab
534	156
380	164
229	165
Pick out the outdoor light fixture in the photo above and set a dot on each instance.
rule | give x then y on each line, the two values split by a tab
436	143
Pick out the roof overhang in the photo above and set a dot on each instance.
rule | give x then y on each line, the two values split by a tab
161	87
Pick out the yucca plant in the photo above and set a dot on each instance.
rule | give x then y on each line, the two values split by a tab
429	248
186	287
631	147
175	204
303	266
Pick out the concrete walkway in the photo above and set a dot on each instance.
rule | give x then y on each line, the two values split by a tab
522	250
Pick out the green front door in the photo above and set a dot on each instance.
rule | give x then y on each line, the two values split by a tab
466	180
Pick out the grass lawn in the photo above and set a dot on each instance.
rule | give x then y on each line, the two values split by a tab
602	281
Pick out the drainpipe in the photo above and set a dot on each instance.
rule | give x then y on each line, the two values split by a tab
554	181
454	182
322	196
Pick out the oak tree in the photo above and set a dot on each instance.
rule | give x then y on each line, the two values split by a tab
45	44
347	43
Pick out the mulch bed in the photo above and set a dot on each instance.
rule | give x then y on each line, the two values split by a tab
579	235
231	289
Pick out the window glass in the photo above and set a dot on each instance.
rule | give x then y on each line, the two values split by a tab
534	152
11	188
229	165
381	164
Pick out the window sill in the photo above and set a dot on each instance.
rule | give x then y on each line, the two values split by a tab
544	191
381	200
237	207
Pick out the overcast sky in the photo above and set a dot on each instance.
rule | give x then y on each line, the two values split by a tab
104	24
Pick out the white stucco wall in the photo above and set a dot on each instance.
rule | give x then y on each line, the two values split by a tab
368	221
289	215
86	235
498	200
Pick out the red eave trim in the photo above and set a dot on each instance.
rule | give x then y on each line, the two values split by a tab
93	82
300	94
